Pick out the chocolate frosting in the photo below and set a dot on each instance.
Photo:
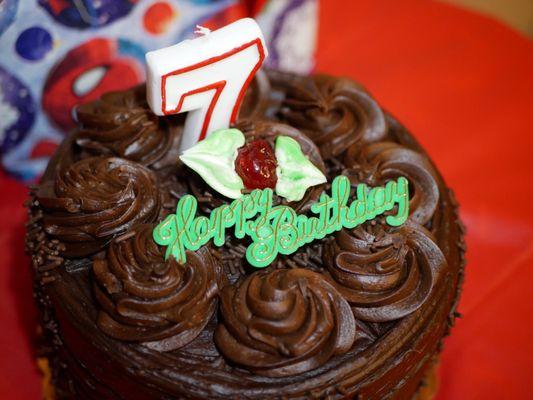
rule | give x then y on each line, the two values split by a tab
334	113
377	163
384	273
161	304
121	124
284	322
96	199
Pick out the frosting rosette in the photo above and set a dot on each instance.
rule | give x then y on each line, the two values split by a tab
283	322
121	124
378	163
384	273
143	298
95	199
335	113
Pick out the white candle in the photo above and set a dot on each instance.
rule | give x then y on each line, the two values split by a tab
206	76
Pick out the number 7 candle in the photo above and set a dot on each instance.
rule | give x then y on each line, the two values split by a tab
206	76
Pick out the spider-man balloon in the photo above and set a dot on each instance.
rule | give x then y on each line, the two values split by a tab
88	71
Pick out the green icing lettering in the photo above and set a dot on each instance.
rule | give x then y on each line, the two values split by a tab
401	197
278	229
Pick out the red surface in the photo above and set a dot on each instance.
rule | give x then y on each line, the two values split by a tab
464	85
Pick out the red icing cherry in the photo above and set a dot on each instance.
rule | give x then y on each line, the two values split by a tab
256	165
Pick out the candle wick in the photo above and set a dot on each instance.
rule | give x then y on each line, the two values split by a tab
202	30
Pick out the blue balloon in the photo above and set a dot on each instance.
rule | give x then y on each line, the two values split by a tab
34	43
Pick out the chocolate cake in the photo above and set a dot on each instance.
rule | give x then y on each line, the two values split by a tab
360	313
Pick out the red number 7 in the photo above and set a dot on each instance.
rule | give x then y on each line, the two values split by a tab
211	90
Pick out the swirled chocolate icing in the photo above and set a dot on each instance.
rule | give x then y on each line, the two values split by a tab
334	113
121	124
94	200
384	273
284	322
161	304
378	163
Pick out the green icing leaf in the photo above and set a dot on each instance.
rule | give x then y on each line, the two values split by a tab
295	172
214	160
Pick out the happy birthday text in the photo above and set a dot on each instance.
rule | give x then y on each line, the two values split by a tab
279	229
